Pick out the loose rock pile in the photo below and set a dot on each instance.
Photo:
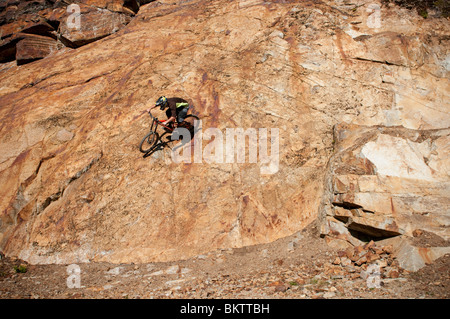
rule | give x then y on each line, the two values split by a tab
358	260
310	271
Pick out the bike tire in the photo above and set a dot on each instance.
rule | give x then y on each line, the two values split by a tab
192	115
193	127
148	142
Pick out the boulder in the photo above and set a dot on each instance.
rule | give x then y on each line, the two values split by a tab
33	47
412	257
94	24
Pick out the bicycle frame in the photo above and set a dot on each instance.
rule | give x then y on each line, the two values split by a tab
155	144
157	122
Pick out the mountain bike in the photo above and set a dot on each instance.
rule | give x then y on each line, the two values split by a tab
153	140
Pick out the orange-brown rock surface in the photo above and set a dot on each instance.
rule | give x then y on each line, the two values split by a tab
343	94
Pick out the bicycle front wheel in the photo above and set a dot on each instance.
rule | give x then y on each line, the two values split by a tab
148	142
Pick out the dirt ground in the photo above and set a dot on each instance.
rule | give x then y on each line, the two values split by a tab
301	266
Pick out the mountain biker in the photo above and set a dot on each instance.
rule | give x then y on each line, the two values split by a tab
177	109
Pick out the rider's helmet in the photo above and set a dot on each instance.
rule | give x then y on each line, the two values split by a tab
161	102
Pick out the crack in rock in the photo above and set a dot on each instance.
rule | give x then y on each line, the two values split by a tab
54	197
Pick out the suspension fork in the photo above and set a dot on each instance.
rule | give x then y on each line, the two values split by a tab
154	125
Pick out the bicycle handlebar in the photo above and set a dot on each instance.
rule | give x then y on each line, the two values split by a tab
156	119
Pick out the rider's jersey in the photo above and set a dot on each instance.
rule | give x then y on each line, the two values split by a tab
176	102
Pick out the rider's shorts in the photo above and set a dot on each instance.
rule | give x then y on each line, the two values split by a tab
181	115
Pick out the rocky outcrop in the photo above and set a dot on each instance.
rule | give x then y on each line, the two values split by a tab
363	132
385	182
58	24
97	24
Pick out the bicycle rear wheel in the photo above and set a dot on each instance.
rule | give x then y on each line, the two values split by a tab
191	115
148	142
190	123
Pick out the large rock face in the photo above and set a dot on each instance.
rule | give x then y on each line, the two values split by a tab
361	111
